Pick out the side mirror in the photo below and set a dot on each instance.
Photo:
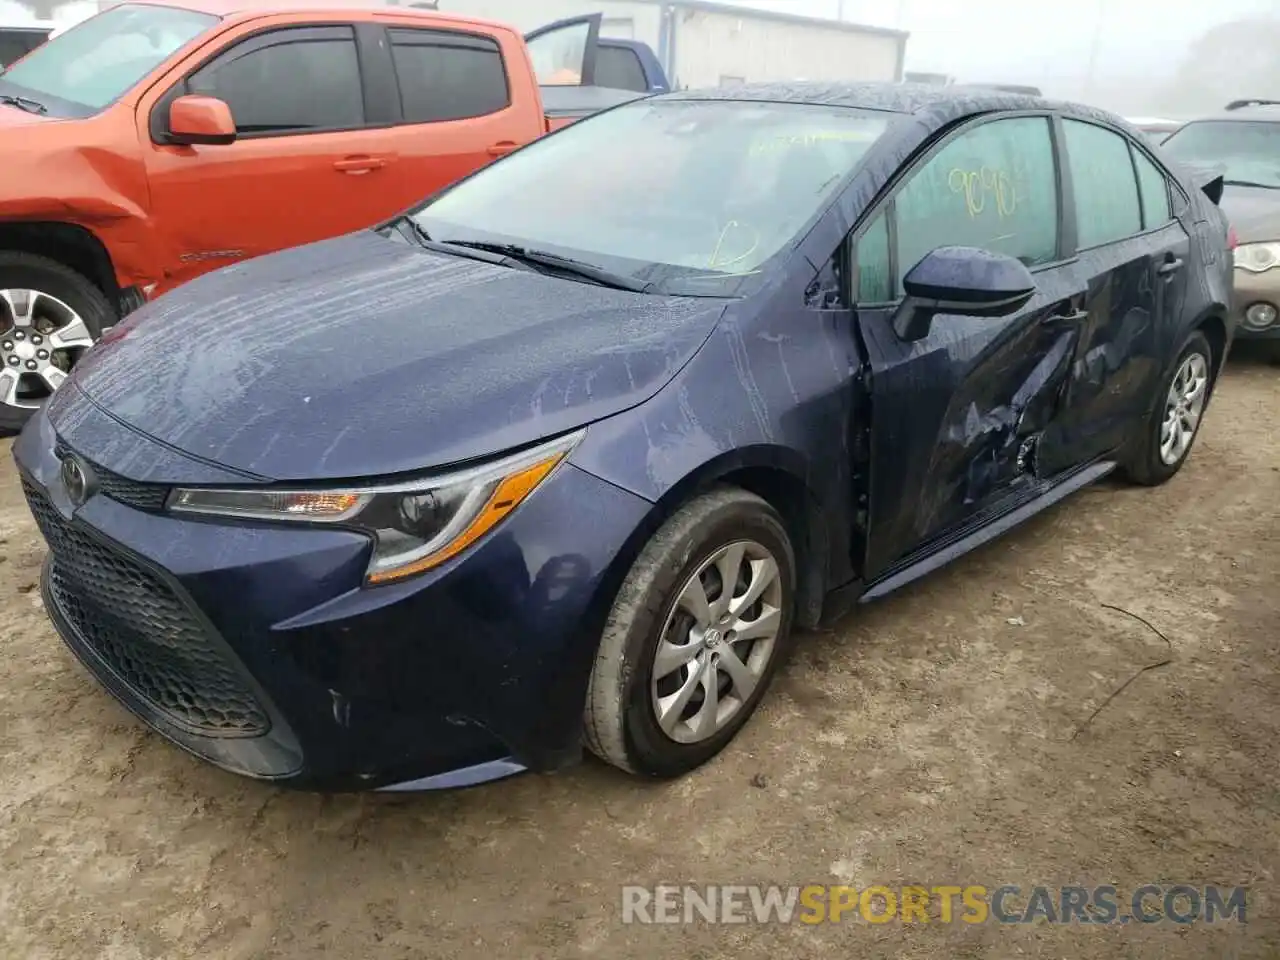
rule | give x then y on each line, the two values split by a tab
961	280
196	119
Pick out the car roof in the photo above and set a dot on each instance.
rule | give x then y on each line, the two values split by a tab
249	8
952	101
1265	112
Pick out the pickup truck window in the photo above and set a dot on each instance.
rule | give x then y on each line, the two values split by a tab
445	75
288	81
91	65
692	197
558	56
620	68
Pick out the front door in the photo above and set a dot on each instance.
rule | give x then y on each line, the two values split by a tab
958	416
1133	253
302	169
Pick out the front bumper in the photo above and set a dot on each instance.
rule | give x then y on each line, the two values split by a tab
255	647
1251	288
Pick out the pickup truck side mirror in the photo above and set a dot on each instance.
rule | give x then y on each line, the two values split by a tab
197	119
962	280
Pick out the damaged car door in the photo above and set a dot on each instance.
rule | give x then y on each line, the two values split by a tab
1132	253
959	414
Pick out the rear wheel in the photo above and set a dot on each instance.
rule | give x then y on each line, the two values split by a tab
49	316
1169	430
695	635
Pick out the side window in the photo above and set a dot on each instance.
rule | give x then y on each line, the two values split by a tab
305	78
1154	189
1105	187
620	68
448	76
994	187
875	285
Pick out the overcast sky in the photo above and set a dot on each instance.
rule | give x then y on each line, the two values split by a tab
1041	41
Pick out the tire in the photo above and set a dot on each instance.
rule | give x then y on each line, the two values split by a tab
69	294
621	721
1145	463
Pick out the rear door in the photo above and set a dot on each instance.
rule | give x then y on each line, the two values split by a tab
957	417
306	164
460	99
1133	255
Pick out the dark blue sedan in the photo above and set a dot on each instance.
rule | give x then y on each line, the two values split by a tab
567	454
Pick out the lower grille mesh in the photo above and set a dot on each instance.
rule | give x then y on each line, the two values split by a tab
144	632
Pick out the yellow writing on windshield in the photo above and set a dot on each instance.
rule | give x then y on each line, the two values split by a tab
811	140
984	186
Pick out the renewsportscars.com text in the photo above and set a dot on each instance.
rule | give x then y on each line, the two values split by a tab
974	903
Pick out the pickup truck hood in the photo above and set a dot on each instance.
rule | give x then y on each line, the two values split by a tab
366	356
12	117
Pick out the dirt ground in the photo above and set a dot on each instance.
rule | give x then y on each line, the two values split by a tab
926	740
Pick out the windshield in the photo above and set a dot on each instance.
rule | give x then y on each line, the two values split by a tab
688	196
1246	151
83	70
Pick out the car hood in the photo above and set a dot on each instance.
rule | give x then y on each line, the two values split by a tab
1253	211
367	356
11	116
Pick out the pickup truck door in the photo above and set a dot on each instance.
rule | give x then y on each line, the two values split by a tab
571	63
308	163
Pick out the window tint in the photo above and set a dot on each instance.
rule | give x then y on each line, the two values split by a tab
448	76
304	79
1154	189
1106	189
875	285
620	67
994	187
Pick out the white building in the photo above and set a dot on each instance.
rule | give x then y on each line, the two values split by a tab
706	44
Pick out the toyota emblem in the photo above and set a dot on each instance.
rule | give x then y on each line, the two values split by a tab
75	479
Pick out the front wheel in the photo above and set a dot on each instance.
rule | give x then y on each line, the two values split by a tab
1168	431
695	635
49	316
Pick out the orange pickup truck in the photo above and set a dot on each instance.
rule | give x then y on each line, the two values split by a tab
159	140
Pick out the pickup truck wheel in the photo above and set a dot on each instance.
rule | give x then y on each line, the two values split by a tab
49	316
696	633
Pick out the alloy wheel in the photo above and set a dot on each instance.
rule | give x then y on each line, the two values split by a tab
717	641
1184	406
40	339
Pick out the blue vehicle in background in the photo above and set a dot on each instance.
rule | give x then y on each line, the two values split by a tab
567	454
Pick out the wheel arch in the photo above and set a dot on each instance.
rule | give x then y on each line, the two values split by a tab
72	245
775	474
1214	327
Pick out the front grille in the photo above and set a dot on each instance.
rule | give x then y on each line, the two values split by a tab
144	632
142	496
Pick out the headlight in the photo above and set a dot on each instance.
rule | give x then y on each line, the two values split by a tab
415	525
1257	257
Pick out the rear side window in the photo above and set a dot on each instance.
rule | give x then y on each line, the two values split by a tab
445	75
1153	188
289	81
620	68
1105	186
994	187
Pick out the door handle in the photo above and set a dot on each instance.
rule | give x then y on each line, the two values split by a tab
359	164
1170	266
502	148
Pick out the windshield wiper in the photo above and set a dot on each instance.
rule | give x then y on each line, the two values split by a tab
553	261
1251	183
458	250
24	103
